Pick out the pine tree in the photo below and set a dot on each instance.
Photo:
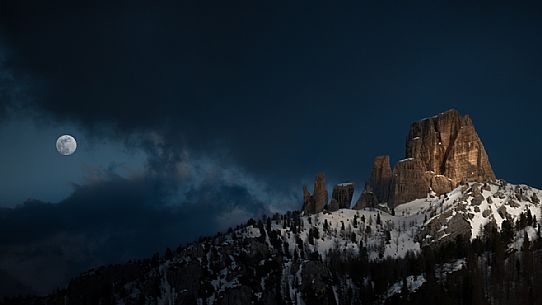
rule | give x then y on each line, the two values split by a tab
388	236
526	242
404	289
268	225
311	237
169	254
507	231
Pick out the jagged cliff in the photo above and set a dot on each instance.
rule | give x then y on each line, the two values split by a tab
449	145
342	193
380	179
315	202
480	232
441	152
349	256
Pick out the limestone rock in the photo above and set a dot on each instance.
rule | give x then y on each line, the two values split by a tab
476	189
535	199
441	152
306	197
454	223
441	184
486	212
448	145
320	193
512	203
409	182
333	205
315	202
502	212
381	176
367	199
342	193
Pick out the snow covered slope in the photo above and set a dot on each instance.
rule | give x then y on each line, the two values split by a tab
339	257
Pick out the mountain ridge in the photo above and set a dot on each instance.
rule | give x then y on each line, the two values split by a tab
292	257
440	153
459	239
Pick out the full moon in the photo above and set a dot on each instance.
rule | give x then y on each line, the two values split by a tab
66	145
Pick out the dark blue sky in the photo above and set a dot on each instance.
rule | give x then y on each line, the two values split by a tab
225	109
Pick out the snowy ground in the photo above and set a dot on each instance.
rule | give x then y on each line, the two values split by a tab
392	236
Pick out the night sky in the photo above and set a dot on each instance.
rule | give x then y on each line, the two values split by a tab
193	116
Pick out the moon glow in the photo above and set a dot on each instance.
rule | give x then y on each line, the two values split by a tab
66	145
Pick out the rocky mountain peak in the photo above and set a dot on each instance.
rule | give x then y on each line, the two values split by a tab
343	193
449	145
441	152
315	202
380	177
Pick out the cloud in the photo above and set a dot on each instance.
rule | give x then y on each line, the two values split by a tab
181	196
235	106
201	76
44	244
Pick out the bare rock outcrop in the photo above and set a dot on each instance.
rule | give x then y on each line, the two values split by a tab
441	184
446	227
409	181
441	152
315	202
333	205
306	197
367	199
343	193
448	145
381	177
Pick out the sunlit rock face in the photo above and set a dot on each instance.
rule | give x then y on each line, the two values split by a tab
409	181
381	177
367	199
448	145
441	152
315	202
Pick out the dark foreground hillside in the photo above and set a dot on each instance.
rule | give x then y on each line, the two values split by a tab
344	257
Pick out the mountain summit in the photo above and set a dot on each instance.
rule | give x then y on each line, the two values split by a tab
441	152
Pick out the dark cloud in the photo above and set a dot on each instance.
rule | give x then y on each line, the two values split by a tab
288	89
44	244
237	103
